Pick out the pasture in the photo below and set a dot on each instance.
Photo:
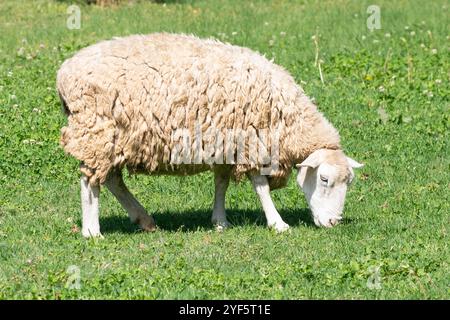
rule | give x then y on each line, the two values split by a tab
386	91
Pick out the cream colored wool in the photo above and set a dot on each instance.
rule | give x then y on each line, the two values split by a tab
125	97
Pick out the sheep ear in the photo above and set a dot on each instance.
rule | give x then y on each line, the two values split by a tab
313	160
353	163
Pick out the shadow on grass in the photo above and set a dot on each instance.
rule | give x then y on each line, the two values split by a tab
193	220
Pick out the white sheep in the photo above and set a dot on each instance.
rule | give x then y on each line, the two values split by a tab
176	104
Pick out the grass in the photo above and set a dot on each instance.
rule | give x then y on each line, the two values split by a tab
387	91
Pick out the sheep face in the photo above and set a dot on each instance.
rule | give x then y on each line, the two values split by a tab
324	177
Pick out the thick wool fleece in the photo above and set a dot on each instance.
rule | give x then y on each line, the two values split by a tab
125	98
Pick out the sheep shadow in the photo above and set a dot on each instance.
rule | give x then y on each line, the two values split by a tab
200	220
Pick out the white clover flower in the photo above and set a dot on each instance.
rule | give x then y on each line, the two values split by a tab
271	42
412	33
387	35
381	89
422	45
438	81
282	33
434	51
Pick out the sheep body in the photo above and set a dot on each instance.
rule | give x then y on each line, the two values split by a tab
126	97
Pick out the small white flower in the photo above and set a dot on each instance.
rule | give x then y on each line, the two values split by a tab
42	46
36	110
381	88
438	81
430	94
412	33
422	45
21	51
387	35
434	51
406	27
13	97
376	41
266	23
9	74
271	42
234	33
282	33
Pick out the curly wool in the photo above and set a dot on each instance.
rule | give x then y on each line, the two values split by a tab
125	98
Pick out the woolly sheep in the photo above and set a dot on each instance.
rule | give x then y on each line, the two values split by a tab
146	101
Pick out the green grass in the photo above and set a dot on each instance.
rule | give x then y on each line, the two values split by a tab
388	96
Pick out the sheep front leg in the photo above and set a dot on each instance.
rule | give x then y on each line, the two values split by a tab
136	212
221	181
89	206
274	220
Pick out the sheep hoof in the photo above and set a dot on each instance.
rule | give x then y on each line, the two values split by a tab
146	223
221	226
88	234
279	226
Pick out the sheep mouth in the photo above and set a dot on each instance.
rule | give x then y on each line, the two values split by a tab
327	221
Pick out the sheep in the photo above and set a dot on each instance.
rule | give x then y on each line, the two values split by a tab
177	104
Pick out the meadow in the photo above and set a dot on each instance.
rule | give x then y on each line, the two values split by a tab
386	90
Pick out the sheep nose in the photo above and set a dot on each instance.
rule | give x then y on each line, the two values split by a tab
333	221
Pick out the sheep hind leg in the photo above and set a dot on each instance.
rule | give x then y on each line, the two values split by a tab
89	206
221	181
135	210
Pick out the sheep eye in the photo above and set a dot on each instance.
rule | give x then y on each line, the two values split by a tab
324	179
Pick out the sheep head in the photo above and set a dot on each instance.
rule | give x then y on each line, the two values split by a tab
324	177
